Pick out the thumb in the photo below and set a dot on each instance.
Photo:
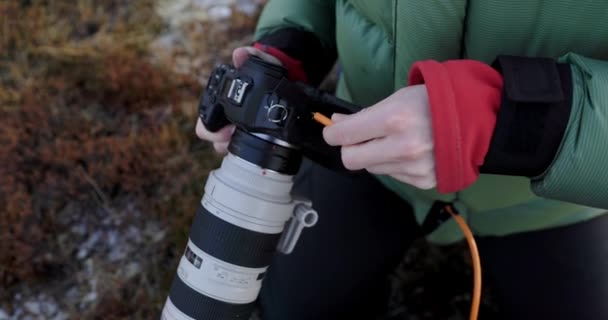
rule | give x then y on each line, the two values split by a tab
240	55
337	117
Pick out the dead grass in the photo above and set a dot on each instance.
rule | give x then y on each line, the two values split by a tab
88	118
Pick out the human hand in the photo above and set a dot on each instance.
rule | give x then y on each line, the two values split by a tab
393	137
221	138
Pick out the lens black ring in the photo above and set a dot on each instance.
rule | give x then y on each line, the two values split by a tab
201	307
238	246
265	154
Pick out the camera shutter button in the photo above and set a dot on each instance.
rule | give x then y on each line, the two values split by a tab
276	113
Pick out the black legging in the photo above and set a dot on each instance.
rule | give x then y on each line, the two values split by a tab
339	267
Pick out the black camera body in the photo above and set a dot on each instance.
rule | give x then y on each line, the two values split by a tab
259	99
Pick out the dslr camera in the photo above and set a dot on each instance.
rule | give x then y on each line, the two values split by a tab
248	213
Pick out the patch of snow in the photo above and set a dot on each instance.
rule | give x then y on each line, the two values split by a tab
167	41
180	12
169	8
60	316
117	253
177	12
133	234
88	299
72	294
116	245
220	12
32	307
112	238
49	308
85	248
79	229
248	7
132	270
204	4
154	232
18	313
37	307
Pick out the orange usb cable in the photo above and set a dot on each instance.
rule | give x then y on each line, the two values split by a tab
476	298
322	119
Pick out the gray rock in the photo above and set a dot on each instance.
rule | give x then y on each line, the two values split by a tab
3	315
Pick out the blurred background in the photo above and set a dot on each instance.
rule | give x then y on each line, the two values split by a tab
100	169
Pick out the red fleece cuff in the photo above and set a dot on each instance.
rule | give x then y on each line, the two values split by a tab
294	67
464	96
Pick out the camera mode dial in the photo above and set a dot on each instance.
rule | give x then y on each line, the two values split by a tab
277	114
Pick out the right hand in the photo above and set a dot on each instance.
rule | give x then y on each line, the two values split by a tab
221	138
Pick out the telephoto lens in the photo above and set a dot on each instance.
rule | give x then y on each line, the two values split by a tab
238	228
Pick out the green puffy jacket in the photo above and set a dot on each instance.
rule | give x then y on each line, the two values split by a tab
378	41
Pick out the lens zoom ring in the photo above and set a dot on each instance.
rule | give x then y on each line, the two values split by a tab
200	307
230	243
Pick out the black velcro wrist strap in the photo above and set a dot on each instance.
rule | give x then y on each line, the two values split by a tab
305	47
534	113
530	79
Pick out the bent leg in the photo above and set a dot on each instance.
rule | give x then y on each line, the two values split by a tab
559	273
339	267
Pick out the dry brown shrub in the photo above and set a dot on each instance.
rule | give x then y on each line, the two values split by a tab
85	117
59	153
89	122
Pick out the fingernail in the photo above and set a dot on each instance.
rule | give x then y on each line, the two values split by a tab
338	117
252	50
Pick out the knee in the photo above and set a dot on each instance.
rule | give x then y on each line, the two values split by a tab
330	303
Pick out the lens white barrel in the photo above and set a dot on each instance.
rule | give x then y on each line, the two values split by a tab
246	208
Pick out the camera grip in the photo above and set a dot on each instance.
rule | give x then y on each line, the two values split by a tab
210	108
212	115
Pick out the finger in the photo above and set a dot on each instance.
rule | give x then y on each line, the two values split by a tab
383	150
240	55
223	135
221	147
424	183
365	125
386	168
421	168
337	117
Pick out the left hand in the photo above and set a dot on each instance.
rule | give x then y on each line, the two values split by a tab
393	137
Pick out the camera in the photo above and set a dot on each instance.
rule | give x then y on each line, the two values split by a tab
260	100
248	213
